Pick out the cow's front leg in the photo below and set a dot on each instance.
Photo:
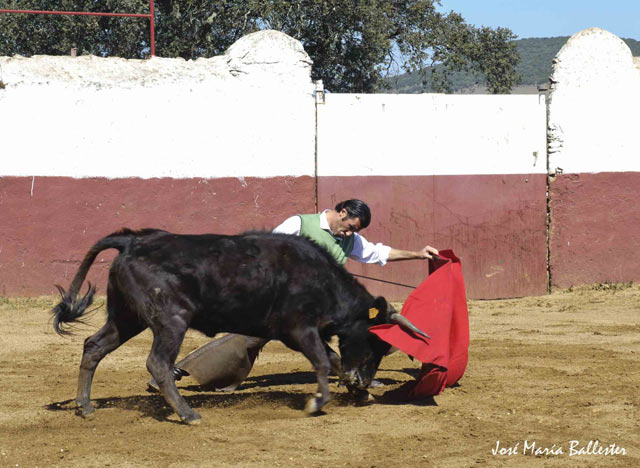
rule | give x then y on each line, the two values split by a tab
312	346
335	362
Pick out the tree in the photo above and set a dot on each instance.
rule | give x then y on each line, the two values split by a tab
30	34
354	44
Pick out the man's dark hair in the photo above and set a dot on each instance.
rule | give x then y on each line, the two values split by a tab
356	209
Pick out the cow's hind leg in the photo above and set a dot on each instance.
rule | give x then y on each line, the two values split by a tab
96	347
165	348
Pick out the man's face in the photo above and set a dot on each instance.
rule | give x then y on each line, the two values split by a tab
346	226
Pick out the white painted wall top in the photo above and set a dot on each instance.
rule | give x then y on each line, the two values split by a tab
431	134
249	112
594	103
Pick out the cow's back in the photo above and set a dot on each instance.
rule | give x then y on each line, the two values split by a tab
242	284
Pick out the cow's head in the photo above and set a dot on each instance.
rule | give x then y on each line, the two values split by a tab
361	350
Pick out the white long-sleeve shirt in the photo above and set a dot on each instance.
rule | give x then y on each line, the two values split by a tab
363	250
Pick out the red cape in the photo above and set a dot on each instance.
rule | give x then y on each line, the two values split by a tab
438	306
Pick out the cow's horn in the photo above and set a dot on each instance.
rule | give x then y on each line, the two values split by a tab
404	321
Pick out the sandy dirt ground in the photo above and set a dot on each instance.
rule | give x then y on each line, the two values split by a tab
543	372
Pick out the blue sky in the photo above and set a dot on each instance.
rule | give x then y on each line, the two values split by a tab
551	18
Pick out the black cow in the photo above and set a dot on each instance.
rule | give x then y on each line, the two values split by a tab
273	286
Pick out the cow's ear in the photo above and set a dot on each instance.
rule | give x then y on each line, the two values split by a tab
378	309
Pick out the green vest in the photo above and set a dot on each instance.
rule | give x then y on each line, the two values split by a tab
339	248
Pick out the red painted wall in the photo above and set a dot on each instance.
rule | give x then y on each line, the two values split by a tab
44	235
595	228
496	224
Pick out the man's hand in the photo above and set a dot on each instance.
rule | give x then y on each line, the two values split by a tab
428	252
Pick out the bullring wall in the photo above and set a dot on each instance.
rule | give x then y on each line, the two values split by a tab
594	162
242	141
91	145
452	171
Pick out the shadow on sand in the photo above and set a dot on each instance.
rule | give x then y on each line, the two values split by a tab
153	404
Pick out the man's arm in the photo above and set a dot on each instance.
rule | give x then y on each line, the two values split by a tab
290	225
367	252
423	254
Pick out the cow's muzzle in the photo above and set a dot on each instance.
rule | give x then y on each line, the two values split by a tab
353	379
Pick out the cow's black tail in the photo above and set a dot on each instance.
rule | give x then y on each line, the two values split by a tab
72	307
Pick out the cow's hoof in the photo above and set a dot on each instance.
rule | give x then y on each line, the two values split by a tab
192	420
86	411
152	386
314	405
376	384
362	397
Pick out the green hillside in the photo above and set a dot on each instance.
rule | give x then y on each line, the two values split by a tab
536	56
